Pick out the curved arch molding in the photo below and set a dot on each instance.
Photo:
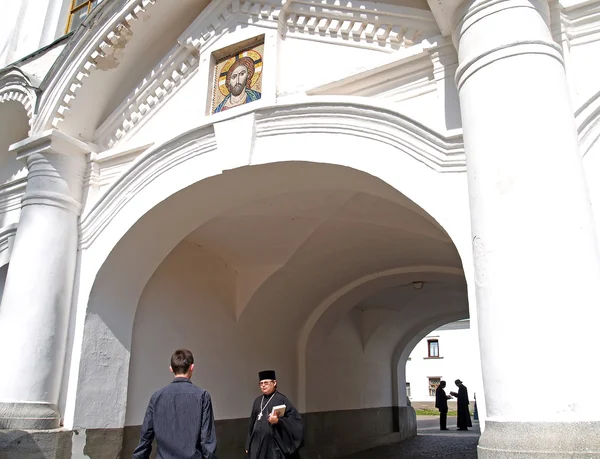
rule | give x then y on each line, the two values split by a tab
16	87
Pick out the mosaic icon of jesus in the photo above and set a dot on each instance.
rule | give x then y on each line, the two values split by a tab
236	79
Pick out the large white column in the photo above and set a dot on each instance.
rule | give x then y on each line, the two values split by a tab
34	313
536	258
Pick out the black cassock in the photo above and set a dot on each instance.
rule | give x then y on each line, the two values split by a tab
277	441
463	418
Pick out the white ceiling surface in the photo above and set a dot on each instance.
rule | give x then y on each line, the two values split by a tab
343	224
321	241
396	298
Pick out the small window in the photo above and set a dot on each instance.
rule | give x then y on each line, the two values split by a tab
433	347
78	11
433	385
408	389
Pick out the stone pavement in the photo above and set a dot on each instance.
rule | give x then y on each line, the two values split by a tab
429	443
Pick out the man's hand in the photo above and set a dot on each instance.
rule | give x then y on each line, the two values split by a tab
273	418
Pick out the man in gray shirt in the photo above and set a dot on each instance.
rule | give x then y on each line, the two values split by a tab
180	417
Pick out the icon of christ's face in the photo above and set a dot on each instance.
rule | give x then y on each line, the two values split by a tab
237	82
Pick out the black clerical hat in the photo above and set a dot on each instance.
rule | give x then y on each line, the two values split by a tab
266	374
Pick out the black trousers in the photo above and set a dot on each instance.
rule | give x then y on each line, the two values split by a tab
443	418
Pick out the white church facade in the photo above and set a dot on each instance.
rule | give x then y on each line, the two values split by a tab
312	186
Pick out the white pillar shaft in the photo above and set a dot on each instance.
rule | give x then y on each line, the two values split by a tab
34	314
536	256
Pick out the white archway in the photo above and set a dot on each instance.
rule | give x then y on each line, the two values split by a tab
157	200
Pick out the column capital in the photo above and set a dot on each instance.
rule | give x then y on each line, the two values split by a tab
56	166
451	15
485	32
50	142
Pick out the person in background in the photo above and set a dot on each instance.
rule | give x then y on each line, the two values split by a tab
441	403
463	418
273	436
180	417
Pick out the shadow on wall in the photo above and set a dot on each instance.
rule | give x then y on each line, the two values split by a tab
49	444
327	434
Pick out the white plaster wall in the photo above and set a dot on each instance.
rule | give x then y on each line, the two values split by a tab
28	25
187	303
591	165
429	109
37	68
342	376
304	64
458	361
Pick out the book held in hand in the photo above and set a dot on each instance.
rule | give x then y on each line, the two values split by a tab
279	409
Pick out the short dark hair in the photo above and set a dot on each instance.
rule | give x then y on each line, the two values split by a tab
181	360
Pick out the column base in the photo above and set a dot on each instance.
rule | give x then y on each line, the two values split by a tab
35	444
537	440
29	416
62	444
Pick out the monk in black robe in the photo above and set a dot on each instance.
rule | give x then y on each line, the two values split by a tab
271	436
463	418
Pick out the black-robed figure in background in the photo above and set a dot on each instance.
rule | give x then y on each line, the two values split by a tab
441	403
270	436
463	418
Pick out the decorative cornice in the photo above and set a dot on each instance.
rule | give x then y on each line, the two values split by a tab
7	234
386	26
169	74
11	194
209	24
16	87
357	118
106	167
579	24
365	23
89	48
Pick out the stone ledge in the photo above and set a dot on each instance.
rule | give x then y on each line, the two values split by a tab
536	440
40	444
35	416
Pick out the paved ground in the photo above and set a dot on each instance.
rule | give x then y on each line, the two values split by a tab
429	443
